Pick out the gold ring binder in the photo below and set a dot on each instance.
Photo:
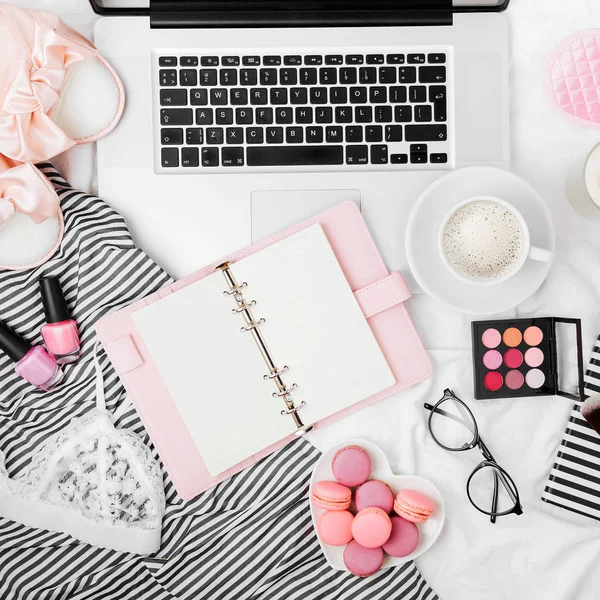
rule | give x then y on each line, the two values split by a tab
253	326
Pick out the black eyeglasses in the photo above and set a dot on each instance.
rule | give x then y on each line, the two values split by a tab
453	427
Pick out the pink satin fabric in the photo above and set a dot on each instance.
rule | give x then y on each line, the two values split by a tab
37	51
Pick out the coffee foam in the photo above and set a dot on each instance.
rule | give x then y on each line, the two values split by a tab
483	240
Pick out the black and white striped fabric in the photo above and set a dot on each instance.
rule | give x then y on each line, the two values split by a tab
574	482
251	537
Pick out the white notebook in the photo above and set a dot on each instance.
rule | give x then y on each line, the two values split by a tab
214	371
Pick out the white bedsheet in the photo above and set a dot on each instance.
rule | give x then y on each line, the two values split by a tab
546	553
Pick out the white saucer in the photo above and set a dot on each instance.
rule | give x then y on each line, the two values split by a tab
422	240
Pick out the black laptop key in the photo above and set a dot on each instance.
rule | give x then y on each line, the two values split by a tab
281	156
198	97
314	134
169	157
436	58
210	157
194	136
218	96
426	133
279	95
244	116
338	95
167	61
188	61
403	114
318	95
258	96
383	114
379	154
298	96
417	93
395	59
248	76
208	77
238	96
398	94
348	75
204	116
328	76
224	116
439	159
387	74
294	135
354	134
234	135
304	115
399	159
167	77
271	61
292	60
173	97
357	155
288	76
231	61
358	95
274	135
264	116
393	133
268	77
437	96
363	114
343	114
251	61
334	59
334	134
284	115
418	159
416	59
432	74
324	114
375	59
377	94
228	77
407	75
308	76
190	157
214	135
254	135
355	59
418	153
209	61
423	113
232	157
176	116
171	137
188	77
313	59
374	133
367	75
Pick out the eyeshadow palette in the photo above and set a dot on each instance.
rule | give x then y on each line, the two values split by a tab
521	357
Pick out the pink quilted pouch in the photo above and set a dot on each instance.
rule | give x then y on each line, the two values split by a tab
573	78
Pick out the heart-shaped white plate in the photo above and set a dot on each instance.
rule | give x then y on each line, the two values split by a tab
380	469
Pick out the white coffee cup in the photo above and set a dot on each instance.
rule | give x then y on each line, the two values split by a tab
512	252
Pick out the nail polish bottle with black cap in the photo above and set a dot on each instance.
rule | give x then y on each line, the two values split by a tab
32	363
60	332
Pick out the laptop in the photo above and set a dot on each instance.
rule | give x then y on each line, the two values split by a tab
245	116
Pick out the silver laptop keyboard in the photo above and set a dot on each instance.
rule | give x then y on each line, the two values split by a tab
389	109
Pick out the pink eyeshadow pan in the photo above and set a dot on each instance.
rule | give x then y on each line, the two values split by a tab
533	336
491	338
513	358
514	380
492	359
534	357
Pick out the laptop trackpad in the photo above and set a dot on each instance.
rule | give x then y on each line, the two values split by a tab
275	210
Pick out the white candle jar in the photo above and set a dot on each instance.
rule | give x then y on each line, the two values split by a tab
583	185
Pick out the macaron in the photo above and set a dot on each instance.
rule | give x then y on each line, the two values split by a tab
331	495
335	527
371	527
351	465
404	538
414	506
362	561
374	493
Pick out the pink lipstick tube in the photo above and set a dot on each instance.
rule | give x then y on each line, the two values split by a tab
60	332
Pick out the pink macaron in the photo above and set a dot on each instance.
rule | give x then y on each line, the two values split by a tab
331	495
371	527
335	527
351	465
374	493
414	506
404	538
362	561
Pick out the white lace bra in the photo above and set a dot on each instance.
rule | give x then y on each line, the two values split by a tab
93	481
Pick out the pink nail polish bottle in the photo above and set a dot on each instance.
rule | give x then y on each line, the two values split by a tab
33	363
60	332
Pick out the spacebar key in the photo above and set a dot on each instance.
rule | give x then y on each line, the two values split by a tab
294	156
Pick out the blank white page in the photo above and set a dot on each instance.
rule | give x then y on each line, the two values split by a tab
214	372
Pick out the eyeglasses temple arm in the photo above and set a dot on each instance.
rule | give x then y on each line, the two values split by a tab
498	474
494	497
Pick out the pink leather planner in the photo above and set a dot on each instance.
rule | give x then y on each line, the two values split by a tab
379	294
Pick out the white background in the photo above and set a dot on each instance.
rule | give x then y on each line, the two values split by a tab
546	553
